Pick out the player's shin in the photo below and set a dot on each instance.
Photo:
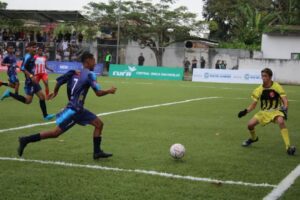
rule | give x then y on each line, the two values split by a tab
285	137
43	107
18	97
253	134
97	144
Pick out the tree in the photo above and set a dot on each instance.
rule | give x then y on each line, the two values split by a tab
225	13
151	25
252	24
3	5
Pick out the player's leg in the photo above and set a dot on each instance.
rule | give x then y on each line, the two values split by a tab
41	96
64	122
26	100
86	117
45	81
251	127
14	83
97	139
23	141
3	83
285	135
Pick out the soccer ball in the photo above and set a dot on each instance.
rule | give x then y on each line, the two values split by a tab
177	151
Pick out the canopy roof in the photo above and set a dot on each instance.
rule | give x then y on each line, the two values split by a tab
43	15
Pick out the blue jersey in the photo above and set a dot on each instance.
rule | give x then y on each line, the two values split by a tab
12	61
29	65
78	84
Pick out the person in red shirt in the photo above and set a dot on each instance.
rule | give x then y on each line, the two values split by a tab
41	69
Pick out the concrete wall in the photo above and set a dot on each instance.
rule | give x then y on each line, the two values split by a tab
279	47
285	71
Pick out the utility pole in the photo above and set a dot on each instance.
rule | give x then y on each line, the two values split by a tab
118	34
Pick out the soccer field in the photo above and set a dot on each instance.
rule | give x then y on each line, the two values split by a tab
141	121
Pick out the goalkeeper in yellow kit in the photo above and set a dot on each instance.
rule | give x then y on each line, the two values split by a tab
274	106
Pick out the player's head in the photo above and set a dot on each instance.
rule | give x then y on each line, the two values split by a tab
266	75
31	47
40	51
88	60
10	49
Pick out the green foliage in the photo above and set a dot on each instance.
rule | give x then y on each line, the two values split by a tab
144	22
245	21
3	5
209	129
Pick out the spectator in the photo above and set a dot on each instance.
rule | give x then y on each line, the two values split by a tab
217	66
141	60
223	65
194	63
202	62
186	64
107	60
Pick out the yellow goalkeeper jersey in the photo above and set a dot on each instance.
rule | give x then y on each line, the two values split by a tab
270	98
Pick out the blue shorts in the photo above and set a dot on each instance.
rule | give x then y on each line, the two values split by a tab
68	117
32	88
13	79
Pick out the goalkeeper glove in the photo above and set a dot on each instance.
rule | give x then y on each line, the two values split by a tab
242	113
285	112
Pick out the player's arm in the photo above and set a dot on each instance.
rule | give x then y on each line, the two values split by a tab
101	93
96	87
61	80
23	67
255	97
5	63
284	108
244	112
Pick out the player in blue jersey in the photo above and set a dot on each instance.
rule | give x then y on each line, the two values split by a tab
78	84
11	62
31	86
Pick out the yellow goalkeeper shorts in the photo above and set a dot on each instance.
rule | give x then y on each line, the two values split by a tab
265	117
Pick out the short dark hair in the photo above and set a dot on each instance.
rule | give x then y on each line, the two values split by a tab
267	71
85	56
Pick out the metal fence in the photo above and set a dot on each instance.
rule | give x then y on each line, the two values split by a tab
175	55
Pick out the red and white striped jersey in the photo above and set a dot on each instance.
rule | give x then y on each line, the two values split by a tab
40	64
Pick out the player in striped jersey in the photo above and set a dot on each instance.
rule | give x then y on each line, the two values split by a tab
41	69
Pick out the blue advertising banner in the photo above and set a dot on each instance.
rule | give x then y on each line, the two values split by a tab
63	67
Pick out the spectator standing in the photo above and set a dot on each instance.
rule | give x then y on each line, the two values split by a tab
202	62
217	66
223	65
141	60
107	60
194	63
186	64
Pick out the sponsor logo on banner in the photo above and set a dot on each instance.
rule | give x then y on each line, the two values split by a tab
227	76
146	72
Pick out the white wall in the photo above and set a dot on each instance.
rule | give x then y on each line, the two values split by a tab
285	71
279	47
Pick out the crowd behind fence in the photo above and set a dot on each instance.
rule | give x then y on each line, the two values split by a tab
173	56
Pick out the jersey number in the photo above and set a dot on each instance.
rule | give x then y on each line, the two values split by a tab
75	83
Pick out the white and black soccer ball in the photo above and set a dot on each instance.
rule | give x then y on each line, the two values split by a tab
177	151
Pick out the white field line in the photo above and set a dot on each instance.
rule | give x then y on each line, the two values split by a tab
138	171
278	191
113	112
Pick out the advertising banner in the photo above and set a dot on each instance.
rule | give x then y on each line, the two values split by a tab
227	76
146	72
63	67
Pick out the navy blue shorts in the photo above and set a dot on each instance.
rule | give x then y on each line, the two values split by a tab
68	117
32	88
13	79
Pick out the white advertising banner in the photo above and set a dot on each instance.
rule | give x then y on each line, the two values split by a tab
227	76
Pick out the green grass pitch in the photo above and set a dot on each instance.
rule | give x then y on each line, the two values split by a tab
140	139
